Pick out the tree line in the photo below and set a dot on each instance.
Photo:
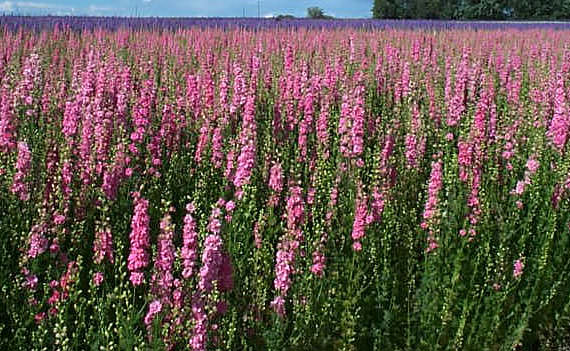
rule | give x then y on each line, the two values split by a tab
472	9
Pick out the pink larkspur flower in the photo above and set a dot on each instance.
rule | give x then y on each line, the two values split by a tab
276	178
140	241
154	308
189	252
98	278
23	165
518	267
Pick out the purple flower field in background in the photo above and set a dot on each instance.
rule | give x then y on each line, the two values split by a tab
158	23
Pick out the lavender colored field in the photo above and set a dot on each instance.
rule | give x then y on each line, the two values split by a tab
237	185
156	23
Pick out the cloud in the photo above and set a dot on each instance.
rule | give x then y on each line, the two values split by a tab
8	6
35	5
44	8
98	9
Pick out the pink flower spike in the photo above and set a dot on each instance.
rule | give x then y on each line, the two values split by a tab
518	268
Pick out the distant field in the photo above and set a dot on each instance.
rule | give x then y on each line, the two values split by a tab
110	23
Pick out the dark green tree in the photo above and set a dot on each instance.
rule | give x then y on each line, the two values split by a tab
418	9
488	10
524	9
565	8
428	9
473	9
316	13
385	9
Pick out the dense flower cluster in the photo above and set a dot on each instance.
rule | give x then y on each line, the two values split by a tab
189	251
287	249
287	188
23	165
430	211
139	240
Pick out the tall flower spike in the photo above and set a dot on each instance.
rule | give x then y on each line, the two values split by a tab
163	279
560	124
430	211
189	252
23	165
140	242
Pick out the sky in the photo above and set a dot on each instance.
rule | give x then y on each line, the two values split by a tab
187	8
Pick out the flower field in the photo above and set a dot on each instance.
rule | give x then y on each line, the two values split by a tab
284	188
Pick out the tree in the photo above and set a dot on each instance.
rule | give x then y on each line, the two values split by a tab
284	17
316	13
472	9
385	9
485	9
377	9
418	9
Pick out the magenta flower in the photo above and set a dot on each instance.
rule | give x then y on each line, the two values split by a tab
295	208
38	242
31	281
344	127
319	262
226	282
189	251
200	330
98	278
23	166
142	110
518	268
211	262
532	165
560	124
357	131
257	239
202	141
7	121
457	106
434	186
140	241
360	214
465	159
322	124
162	278
66	179
154	308
276	178
357	246
103	246
430	211
411	153
306	124
378	202
246	158
284	269
278	304
287	248
39	317
114	174
217	145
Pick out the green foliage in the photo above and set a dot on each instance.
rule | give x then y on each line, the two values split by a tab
472	9
317	13
282	17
